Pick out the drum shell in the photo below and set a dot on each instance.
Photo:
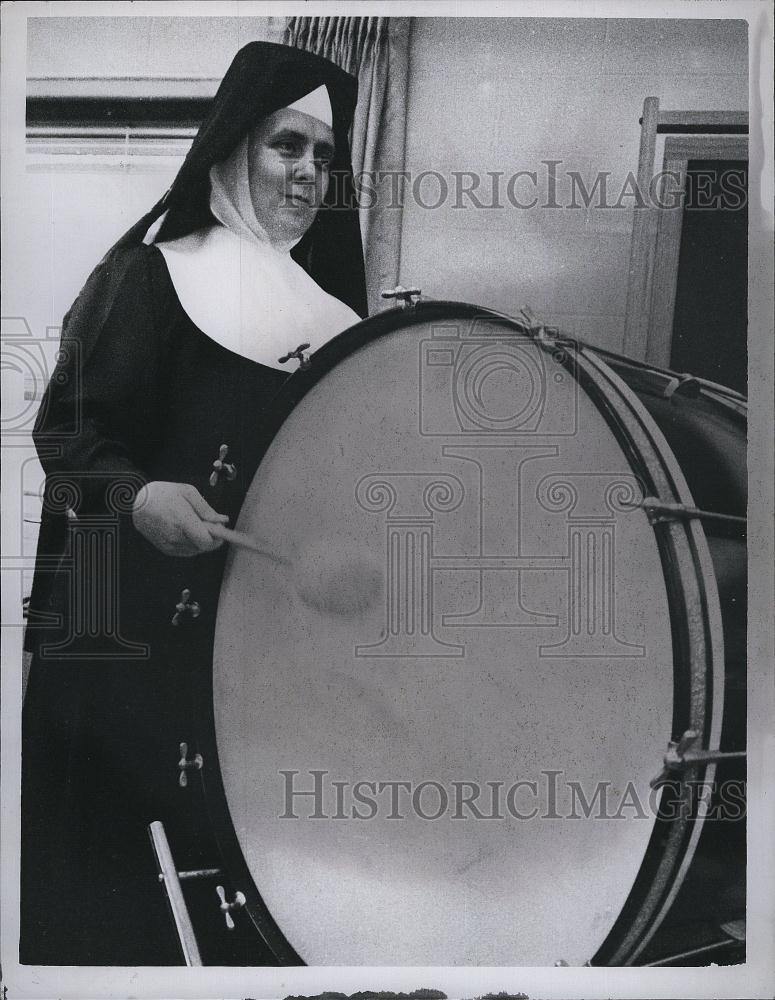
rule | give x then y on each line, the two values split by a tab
706	430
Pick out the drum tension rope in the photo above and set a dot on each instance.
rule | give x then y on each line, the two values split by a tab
681	756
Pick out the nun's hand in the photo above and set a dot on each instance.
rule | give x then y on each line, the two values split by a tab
174	518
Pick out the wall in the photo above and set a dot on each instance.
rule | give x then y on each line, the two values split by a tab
136	48
491	94
79	197
76	197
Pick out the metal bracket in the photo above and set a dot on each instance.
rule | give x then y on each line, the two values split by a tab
184	764
680	756
535	327
404	296
682	385
545	336
735	929
199	873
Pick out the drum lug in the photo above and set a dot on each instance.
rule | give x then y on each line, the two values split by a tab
405	297
226	908
537	329
298	354
547	337
222	468
186	608
184	764
680	756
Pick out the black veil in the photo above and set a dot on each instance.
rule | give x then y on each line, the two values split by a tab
264	77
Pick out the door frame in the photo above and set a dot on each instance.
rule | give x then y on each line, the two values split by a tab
679	151
689	125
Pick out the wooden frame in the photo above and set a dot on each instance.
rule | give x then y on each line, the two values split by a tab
656	232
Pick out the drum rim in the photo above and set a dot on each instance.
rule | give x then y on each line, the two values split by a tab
682	548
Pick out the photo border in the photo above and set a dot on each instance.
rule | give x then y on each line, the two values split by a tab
756	977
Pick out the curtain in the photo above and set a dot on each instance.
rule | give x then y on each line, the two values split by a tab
376	51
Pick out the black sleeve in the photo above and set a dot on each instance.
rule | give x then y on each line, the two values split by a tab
102	409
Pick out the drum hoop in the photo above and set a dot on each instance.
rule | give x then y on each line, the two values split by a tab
684	542
684	554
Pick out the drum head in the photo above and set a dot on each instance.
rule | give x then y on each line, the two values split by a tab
460	641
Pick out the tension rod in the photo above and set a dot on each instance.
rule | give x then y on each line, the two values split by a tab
659	511
680	756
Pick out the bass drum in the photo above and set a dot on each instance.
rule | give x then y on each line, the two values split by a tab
440	695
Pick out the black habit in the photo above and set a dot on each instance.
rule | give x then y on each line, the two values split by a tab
121	633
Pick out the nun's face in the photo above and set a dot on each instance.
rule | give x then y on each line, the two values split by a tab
290	157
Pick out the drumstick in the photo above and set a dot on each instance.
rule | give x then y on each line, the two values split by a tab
241	540
343	582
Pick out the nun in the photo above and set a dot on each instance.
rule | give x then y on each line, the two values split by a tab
150	434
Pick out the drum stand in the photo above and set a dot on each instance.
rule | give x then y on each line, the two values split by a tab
734	931
171	879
